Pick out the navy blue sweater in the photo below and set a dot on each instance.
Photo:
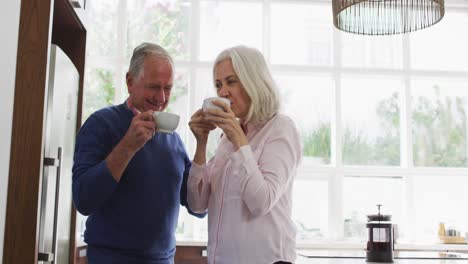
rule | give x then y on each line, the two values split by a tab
136	217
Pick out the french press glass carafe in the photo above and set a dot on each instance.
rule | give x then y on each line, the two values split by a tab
380	242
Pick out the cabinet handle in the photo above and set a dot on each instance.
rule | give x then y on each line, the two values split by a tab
45	256
51	256
49	162
57	196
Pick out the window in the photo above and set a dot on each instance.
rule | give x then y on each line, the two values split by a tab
439	122
163	22
223	24
425	48
363	193
374	52
371	123
306	94
383	120
310	209
434	204
300	46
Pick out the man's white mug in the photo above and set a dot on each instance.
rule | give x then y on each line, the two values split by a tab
165	122
208	103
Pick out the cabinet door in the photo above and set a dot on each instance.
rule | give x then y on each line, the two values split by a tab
56	199
190	255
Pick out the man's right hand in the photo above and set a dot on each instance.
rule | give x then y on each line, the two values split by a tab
140	131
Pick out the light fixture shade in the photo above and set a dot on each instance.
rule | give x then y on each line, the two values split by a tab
386	17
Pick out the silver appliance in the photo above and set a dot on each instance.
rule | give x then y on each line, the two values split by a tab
60	130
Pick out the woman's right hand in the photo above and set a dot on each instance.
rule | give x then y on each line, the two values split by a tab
200	127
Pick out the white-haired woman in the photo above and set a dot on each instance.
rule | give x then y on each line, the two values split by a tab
247	186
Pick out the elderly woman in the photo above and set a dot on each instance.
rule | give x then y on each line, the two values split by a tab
247	186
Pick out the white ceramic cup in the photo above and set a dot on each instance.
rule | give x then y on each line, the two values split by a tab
165	122
208	103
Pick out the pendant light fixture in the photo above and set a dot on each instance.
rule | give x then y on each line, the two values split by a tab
386	17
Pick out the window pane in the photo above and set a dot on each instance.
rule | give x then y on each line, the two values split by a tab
372	52
182	231
309	101
179	101
310	209
225	24
102	18
439	122
99	90
301	34
439	199
441	47
80	226
190	227
160	21
360	197
371	121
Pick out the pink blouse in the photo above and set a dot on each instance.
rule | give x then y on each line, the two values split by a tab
248	195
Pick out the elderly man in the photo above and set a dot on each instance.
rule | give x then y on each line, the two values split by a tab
127	178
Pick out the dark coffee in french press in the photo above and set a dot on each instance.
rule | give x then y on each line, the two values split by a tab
380	241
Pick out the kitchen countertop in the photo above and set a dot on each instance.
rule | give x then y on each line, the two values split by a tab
358	256
345	253
302	260
333	245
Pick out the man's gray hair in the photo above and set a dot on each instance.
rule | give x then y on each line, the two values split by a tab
253	73
141	52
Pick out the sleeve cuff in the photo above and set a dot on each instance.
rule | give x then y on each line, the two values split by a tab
196	171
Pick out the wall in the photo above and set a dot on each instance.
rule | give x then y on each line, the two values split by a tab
9	25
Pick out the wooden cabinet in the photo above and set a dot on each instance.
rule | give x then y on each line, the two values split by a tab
80	255
190	255
42	23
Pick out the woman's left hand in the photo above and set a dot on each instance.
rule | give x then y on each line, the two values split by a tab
227	121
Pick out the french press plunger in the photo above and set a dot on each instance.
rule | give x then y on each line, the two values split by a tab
380	243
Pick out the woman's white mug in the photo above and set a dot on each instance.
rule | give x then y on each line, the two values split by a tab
208	103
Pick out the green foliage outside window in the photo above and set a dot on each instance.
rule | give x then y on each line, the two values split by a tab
439	129
358	148
164	23
99	93
317	143
387	146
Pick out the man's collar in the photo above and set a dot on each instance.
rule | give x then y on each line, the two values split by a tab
133	109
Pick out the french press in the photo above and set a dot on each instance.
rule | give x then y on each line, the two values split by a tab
380	242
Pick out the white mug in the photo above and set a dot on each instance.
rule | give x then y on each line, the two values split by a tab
208	103
165	122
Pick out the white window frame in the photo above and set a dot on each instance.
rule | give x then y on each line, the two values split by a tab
335	172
